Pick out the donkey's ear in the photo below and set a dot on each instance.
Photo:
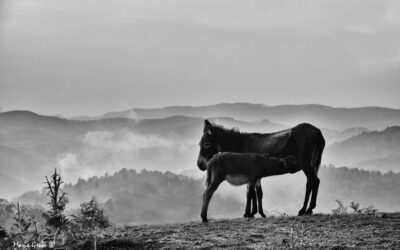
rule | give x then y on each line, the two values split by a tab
207	127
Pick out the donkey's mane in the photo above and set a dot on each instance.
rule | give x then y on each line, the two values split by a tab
219	129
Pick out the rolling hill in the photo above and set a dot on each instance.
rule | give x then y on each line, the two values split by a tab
377	150
288	115
31	145
135	197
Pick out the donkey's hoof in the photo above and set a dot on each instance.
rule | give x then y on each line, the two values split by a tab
309	212
204	218
246	215
302	212
263	215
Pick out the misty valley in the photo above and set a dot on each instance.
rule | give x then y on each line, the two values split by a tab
139	165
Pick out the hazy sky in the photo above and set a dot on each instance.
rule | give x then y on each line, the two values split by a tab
75	57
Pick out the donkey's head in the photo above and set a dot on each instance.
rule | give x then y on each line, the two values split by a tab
209	146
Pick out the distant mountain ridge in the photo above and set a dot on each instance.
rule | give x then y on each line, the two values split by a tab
289	115
378	150
31	145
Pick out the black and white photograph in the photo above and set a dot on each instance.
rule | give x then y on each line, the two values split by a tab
199	124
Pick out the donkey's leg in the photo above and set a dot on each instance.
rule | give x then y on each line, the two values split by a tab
305	163
247	213
254	201
251	194
312	186
248	203
316	161
306	198
259	193
208	193
314	194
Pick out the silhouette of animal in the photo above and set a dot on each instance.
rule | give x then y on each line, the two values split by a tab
303	141
243	168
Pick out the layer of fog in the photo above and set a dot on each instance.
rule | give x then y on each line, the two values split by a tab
132	197
160	147
104	152
109	151
162	197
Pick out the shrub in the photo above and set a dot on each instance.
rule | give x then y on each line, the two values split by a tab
369	210
21	222
355	206
90	218
341	209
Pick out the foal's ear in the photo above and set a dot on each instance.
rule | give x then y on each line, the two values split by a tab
207	127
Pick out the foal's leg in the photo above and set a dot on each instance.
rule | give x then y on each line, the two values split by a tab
208	193
248	202
254	205
259	195
254	200
251	195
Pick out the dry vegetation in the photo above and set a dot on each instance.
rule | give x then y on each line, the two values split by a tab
348	230
341	231
350	226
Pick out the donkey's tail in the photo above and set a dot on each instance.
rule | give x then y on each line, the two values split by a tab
317	155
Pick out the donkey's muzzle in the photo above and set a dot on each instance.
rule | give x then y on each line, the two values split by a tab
202	164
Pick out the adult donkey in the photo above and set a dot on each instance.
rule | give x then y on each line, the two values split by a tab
304	141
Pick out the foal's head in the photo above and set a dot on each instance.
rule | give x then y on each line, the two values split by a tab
209	146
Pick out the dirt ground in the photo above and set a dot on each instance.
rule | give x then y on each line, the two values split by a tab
348	231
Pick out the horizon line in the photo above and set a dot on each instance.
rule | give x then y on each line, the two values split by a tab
193	106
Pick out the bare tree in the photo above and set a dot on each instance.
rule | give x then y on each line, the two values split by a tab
21	222
58	199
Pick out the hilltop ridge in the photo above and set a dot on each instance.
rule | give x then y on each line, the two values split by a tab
321	231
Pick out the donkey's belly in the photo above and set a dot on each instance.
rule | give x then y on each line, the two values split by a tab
237	179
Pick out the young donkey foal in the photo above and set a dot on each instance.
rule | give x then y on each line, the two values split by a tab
243	168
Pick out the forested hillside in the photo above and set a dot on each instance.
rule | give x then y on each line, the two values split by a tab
134	197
